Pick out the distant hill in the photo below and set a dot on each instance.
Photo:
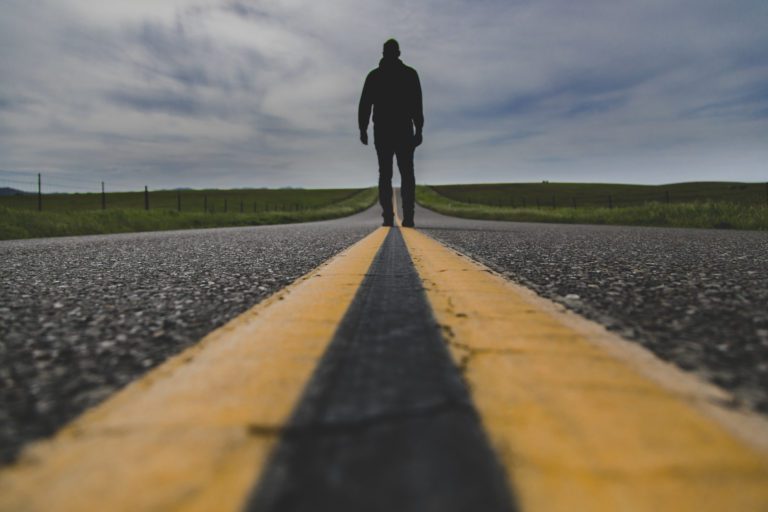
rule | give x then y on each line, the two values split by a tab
8	191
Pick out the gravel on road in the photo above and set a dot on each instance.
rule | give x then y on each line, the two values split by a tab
81	317
697	298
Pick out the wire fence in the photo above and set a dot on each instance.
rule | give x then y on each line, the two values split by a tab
62	192
43	192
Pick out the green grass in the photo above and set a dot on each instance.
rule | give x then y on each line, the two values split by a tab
603	194
699	213
315	205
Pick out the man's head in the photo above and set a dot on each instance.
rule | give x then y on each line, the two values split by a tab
391	49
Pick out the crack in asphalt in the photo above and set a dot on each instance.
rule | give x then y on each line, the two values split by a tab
364	423
696	298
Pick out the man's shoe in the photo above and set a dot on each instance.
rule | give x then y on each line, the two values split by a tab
388	222
408	223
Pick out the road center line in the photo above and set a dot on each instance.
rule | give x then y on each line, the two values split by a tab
577	427
386	423
194	433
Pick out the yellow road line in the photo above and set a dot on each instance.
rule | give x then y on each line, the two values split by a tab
194	433
577	427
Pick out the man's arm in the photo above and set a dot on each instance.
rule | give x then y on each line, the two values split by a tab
364	110
418	109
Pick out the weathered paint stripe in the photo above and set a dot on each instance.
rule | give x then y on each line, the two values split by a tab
194	433
577	427
386	422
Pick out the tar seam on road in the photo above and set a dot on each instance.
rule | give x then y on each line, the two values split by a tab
193	434
386	423
577	427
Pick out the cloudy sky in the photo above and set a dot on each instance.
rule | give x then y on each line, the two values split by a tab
175	93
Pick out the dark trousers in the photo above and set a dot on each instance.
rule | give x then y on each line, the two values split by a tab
404	154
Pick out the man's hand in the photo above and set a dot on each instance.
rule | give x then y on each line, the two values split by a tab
364	137
417	140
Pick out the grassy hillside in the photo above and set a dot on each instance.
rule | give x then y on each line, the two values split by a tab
700	211
296	206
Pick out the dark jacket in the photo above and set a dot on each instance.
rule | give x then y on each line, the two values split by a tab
394	92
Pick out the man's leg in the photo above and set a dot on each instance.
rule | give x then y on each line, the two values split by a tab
408	182
384	155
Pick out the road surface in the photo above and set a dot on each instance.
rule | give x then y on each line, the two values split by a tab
83	316
80	317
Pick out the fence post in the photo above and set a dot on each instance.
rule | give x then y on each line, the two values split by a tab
146	197
103	197
39	193
178	200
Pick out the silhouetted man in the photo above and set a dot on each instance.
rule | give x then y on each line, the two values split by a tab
394	92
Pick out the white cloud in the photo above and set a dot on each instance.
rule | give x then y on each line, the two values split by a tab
206	93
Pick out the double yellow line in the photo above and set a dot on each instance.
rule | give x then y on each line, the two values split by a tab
580	421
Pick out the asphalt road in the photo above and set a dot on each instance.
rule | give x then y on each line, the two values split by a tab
80	317
698	298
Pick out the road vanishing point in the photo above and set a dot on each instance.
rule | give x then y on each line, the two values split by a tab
340	366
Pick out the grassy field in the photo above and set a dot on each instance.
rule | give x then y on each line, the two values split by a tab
77	215
704	210
604	194
252	200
